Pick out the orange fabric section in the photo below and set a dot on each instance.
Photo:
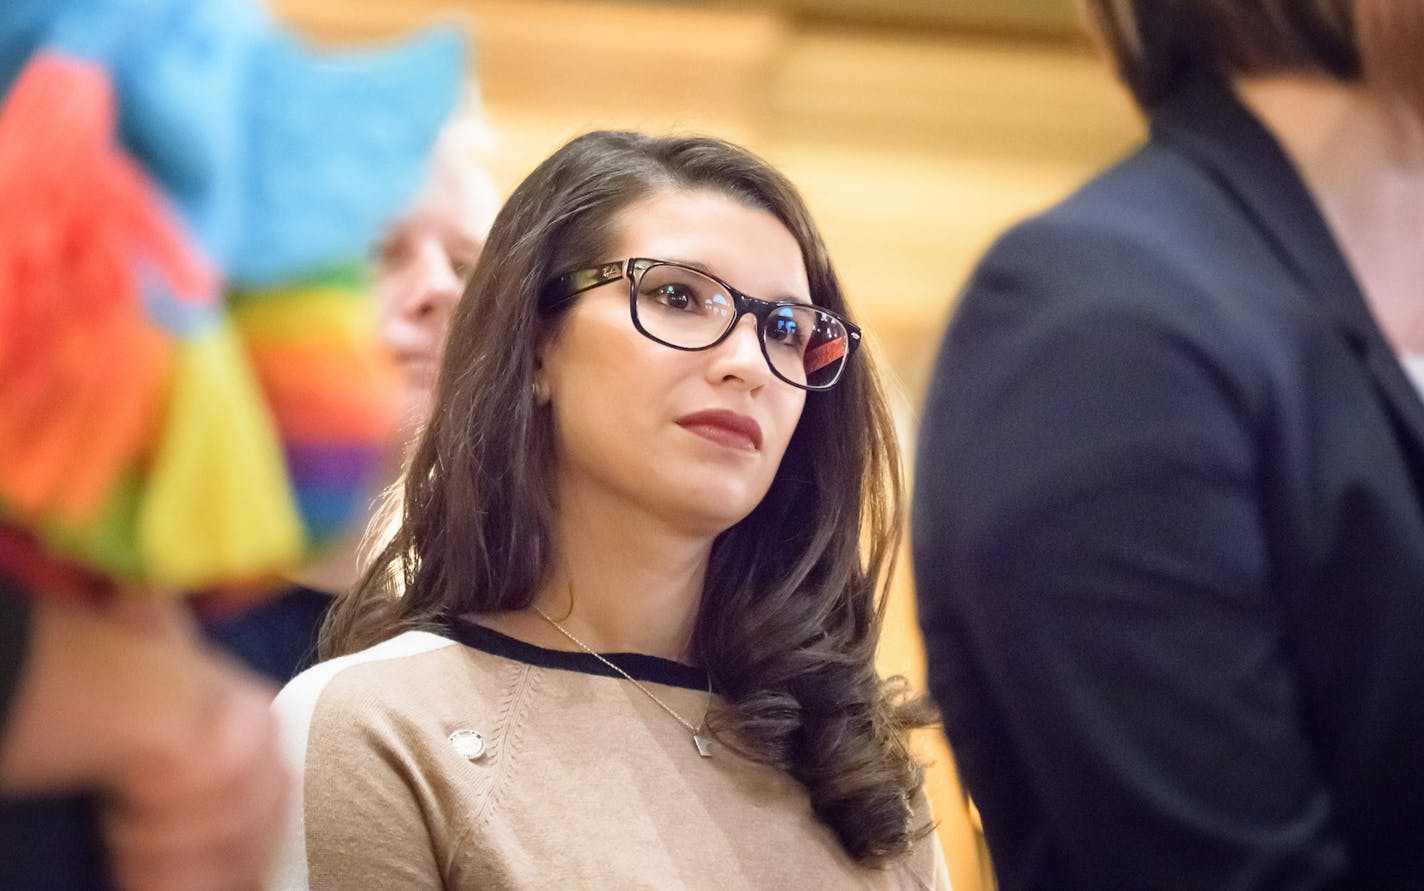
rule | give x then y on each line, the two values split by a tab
333	398
64	445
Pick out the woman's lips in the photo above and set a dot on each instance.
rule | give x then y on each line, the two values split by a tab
724	427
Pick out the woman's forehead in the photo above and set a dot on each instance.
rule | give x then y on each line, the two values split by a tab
744	244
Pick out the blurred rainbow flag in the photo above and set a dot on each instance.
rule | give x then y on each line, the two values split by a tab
191	394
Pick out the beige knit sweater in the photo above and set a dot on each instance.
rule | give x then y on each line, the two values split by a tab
560	776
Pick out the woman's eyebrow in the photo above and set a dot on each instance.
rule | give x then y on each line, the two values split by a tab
703	267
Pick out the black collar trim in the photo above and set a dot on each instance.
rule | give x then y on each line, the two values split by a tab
650	669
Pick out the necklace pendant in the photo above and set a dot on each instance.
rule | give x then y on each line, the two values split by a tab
704	745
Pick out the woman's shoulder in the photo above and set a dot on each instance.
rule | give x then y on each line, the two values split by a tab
410	674
387	658
378	738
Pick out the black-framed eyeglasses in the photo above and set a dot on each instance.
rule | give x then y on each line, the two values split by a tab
689	309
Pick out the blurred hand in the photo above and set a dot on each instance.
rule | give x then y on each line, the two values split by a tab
178	740
206	813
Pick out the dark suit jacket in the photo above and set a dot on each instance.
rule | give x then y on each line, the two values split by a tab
276	637
1169	542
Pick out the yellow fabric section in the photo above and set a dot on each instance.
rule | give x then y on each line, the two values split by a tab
338	313
218	505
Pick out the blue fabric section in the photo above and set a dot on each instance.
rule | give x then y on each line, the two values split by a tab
337	144
182	318
281	160
182	94
327	509
23	25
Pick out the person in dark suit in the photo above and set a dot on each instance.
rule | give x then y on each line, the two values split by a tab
1169	508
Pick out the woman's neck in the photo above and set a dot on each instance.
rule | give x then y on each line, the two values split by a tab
620	582
1363	161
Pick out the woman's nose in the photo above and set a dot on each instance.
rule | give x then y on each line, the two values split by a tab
740	355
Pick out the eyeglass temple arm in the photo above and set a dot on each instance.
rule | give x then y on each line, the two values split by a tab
853	335
571	284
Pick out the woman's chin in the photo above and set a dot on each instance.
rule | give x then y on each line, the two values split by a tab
714	512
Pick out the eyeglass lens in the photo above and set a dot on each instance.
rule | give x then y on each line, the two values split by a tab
684	308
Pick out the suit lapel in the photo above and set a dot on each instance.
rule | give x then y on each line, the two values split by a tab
1206	121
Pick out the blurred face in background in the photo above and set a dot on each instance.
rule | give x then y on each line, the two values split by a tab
421	269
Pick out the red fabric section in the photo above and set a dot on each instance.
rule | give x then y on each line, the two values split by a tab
82	370
41	576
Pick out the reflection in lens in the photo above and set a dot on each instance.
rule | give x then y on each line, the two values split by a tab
820	345
819	359
785	328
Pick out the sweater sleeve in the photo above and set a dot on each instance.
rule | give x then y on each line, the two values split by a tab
356	817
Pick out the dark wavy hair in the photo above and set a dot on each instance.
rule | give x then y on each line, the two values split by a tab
794	592
1154	43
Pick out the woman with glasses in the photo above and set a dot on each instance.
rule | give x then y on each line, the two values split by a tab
624	634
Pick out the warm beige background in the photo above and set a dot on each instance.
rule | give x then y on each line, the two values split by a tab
917	130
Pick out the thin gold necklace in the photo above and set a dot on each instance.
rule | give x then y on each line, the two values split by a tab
703	743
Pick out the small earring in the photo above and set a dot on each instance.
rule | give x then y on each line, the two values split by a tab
541	393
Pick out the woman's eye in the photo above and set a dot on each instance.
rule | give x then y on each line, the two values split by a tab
676	297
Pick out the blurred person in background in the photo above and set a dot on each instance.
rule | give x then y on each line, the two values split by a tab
425	259
625	633
421	265
173	173
1169	507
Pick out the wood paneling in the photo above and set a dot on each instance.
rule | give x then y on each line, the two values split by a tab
1039	18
